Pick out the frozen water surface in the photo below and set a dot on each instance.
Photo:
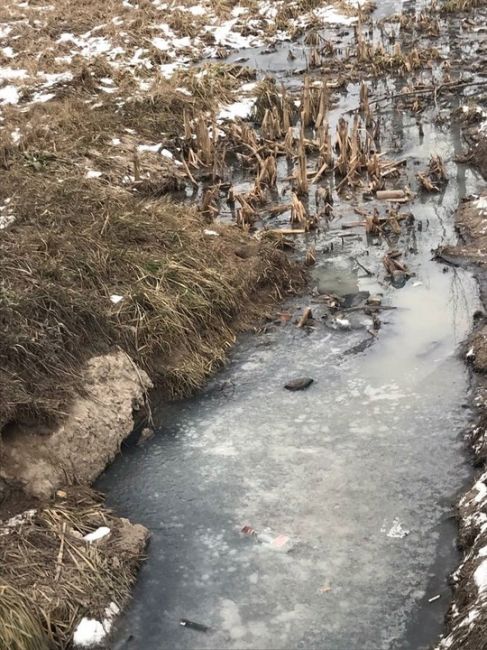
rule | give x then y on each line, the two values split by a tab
360	470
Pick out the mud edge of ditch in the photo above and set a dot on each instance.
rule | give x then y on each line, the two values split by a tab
466	622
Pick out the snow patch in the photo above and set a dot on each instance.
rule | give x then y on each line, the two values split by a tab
14	522
97	534
481	204
396	531
480	576
9	95
90	632
241	109
331	15
12	73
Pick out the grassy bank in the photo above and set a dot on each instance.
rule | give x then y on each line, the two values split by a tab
79	238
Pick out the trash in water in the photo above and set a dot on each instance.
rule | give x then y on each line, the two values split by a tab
299	384
343	323
375	300
269	538
325	589
432	600
396	530
199	627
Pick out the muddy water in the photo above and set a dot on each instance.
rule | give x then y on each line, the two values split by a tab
371	451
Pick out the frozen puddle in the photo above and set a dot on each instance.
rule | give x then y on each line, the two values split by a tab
359	471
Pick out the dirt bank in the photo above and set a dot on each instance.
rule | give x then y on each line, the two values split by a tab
83	443
467	617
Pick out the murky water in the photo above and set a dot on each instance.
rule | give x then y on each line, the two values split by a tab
371	450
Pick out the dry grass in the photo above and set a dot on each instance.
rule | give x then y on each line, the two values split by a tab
452	6
67	577
20	629
76	241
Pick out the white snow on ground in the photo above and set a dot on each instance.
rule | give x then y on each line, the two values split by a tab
243	27
89	46
331	15
481	488
97	534
154	148
90	632
6	220
9	95
226	35
481	204
480	577
55	78
241	109
92	173
12	73
473	523
6	527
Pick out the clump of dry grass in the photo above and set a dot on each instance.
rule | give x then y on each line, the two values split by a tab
435	176
67	577
398	60
20	629
77	242
213	83
452	6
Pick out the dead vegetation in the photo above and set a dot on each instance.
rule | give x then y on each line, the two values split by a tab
452	6
435	177
78	239
68	577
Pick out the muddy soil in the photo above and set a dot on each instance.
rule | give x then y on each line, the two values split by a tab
467	616
86	441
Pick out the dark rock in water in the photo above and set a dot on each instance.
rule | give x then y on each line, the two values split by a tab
399	279
299	384
354	299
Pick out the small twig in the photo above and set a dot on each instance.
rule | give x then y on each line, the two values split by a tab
190	176
422	91
59	560
369	273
